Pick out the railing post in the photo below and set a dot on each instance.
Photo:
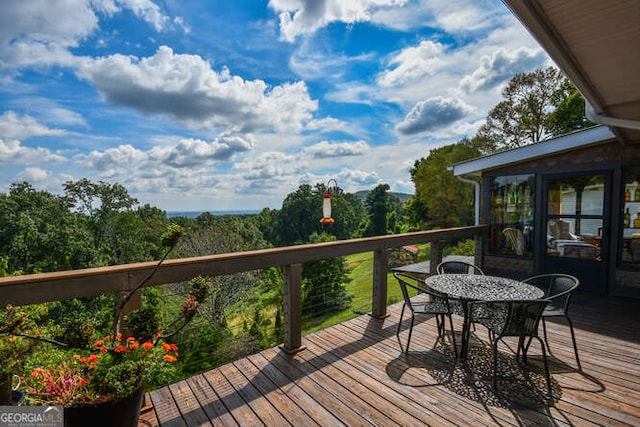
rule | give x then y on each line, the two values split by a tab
380	264
292	301
436	255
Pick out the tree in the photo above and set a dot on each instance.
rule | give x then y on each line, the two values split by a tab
569	114
378	208
523	116
448	201
39	233
102	202
299	216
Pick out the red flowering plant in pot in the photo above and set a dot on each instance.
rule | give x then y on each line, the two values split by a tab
116	368
113	371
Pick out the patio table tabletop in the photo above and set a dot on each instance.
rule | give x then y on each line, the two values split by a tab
474	287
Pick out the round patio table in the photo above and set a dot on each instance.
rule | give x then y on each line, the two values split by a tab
475	287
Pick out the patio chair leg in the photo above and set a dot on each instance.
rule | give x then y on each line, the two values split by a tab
400	321
453	336
495	365
410	331
575	345
522	350
439	324
546	369
544	332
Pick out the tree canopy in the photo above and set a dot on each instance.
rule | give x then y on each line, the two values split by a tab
447	201
535	106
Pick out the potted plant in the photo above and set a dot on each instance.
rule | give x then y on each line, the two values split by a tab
98	383
104	386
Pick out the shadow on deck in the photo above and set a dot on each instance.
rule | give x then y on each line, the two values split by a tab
355	374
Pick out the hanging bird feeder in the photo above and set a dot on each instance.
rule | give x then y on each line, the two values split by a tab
326	205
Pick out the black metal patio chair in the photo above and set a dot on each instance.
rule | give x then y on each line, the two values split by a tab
514	318
458	267
430	302
558	288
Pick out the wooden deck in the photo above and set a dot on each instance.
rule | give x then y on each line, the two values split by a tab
355	374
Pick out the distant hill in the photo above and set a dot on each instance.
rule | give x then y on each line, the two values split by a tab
362	195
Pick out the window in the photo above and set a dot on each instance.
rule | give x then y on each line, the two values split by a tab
630	241
511	214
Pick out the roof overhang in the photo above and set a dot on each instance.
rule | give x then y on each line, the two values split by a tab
596	43
575	140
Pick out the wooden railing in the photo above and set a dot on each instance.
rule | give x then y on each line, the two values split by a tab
57	286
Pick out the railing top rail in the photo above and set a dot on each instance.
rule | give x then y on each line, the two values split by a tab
45	287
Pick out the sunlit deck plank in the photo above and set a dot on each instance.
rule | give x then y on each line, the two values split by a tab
210	402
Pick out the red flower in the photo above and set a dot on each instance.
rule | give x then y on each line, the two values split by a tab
169	358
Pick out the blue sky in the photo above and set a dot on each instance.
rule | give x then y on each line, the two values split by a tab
217	105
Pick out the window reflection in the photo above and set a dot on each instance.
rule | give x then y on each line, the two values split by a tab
512	207
575	209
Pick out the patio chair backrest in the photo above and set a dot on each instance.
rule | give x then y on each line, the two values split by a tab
408	282
458	267
558	288
520	317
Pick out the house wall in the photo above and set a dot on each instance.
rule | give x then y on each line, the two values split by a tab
606	156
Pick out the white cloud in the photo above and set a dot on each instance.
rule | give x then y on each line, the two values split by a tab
501	66
192	152
147	11
302	17
270	166
13	152
413	63
185	88
325	149
358	178
33	175
432	114
34	32
326	124
120	156
13	126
